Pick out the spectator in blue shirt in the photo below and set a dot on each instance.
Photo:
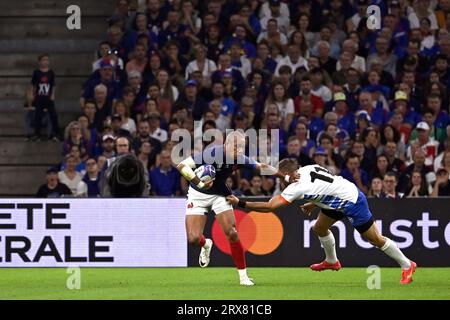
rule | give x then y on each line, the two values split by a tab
354	173
165	179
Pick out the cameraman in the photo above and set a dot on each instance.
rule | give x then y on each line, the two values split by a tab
125	175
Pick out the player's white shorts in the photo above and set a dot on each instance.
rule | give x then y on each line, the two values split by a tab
200	203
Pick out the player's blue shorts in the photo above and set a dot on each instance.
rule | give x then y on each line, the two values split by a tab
357	213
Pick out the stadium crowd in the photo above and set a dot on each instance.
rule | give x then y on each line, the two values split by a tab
370	104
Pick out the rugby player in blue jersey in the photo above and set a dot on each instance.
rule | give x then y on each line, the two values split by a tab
211	196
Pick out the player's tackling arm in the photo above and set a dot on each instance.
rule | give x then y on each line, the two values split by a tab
277	173
274	203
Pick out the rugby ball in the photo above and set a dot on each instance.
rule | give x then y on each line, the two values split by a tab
205	172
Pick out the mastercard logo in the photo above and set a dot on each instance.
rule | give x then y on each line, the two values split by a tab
260	233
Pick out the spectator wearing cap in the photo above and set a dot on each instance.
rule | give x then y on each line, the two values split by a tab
53	188
373	109
353	173
201	62
165	179
318	87
293	59
174	30
116	126
320	157
428	145
294	150
422	10
154	120
410	117
346	119
114	91
108	146
441	188
192	101
88	187
436	133
69	176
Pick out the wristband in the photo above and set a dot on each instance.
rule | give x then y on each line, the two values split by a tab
200	185
286	178
242	203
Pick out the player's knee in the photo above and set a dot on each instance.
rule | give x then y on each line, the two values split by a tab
232	235
194	239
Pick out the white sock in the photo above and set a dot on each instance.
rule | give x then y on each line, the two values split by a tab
242	273
391	249
328	244
207	244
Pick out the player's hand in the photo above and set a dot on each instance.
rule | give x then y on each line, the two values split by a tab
294	177
208	185
307	208
233	200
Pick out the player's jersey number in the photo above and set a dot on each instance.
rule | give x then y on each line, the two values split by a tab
316	175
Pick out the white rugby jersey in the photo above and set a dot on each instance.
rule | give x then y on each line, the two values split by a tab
318	185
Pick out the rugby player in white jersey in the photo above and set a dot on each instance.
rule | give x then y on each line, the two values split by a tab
337	198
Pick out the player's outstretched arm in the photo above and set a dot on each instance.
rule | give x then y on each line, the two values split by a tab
274	203
277	173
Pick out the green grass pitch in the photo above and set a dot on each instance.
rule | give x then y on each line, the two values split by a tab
220	283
